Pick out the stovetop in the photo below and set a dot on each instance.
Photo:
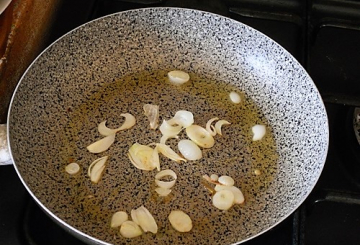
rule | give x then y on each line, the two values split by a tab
324	36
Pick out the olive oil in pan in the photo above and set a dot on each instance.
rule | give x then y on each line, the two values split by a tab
123	187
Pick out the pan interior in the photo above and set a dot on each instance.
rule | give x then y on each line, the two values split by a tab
118	63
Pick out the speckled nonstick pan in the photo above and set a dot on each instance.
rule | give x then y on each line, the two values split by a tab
80	80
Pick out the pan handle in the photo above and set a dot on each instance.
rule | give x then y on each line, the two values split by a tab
5	158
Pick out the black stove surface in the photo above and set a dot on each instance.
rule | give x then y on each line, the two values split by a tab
324	36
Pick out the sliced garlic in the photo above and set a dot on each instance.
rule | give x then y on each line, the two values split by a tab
178	77
96	169
200	136
223	199
164	138
238	195
211	128
258	131
144	157
219	124
165	184
146	220
129	229
163	191
101	145
235	97
182	118
166	172
257	172
167	129
130	121
152	112
72	168
169	153
180	221
226	180
118	218
133	215
189	150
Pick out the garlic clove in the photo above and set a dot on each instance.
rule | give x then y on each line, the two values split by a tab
72	168
219	124
118	218
226	180
178	77
210	128
163	191
235	97
238	195
146	220
152	112
101	145
258	131
182	118
180	221
223	199
169	153
96	169
129	229
200	136
189	150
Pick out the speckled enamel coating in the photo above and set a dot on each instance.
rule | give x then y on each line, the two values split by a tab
72	71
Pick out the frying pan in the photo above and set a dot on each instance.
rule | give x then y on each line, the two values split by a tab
80	80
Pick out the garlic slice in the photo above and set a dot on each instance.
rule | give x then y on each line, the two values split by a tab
129	229
189	150
163	191
96	169
167	129
238	195
182	118
101	145
235	97
214	177
258	131
72	168
180	221
164	138
146	220
118	218
169	153
178	77
223	199
130	121
200	136
152	112
165	184
226	180
219	124
144	157
211	128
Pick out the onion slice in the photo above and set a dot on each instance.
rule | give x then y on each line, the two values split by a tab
101	145
167	129
211	128
163	192
166	172
169	153
200	136
96	169
152	112
226	180
144	157
238	195
219	124
182	118
129	122
223	199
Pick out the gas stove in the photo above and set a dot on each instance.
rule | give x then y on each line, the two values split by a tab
324	36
